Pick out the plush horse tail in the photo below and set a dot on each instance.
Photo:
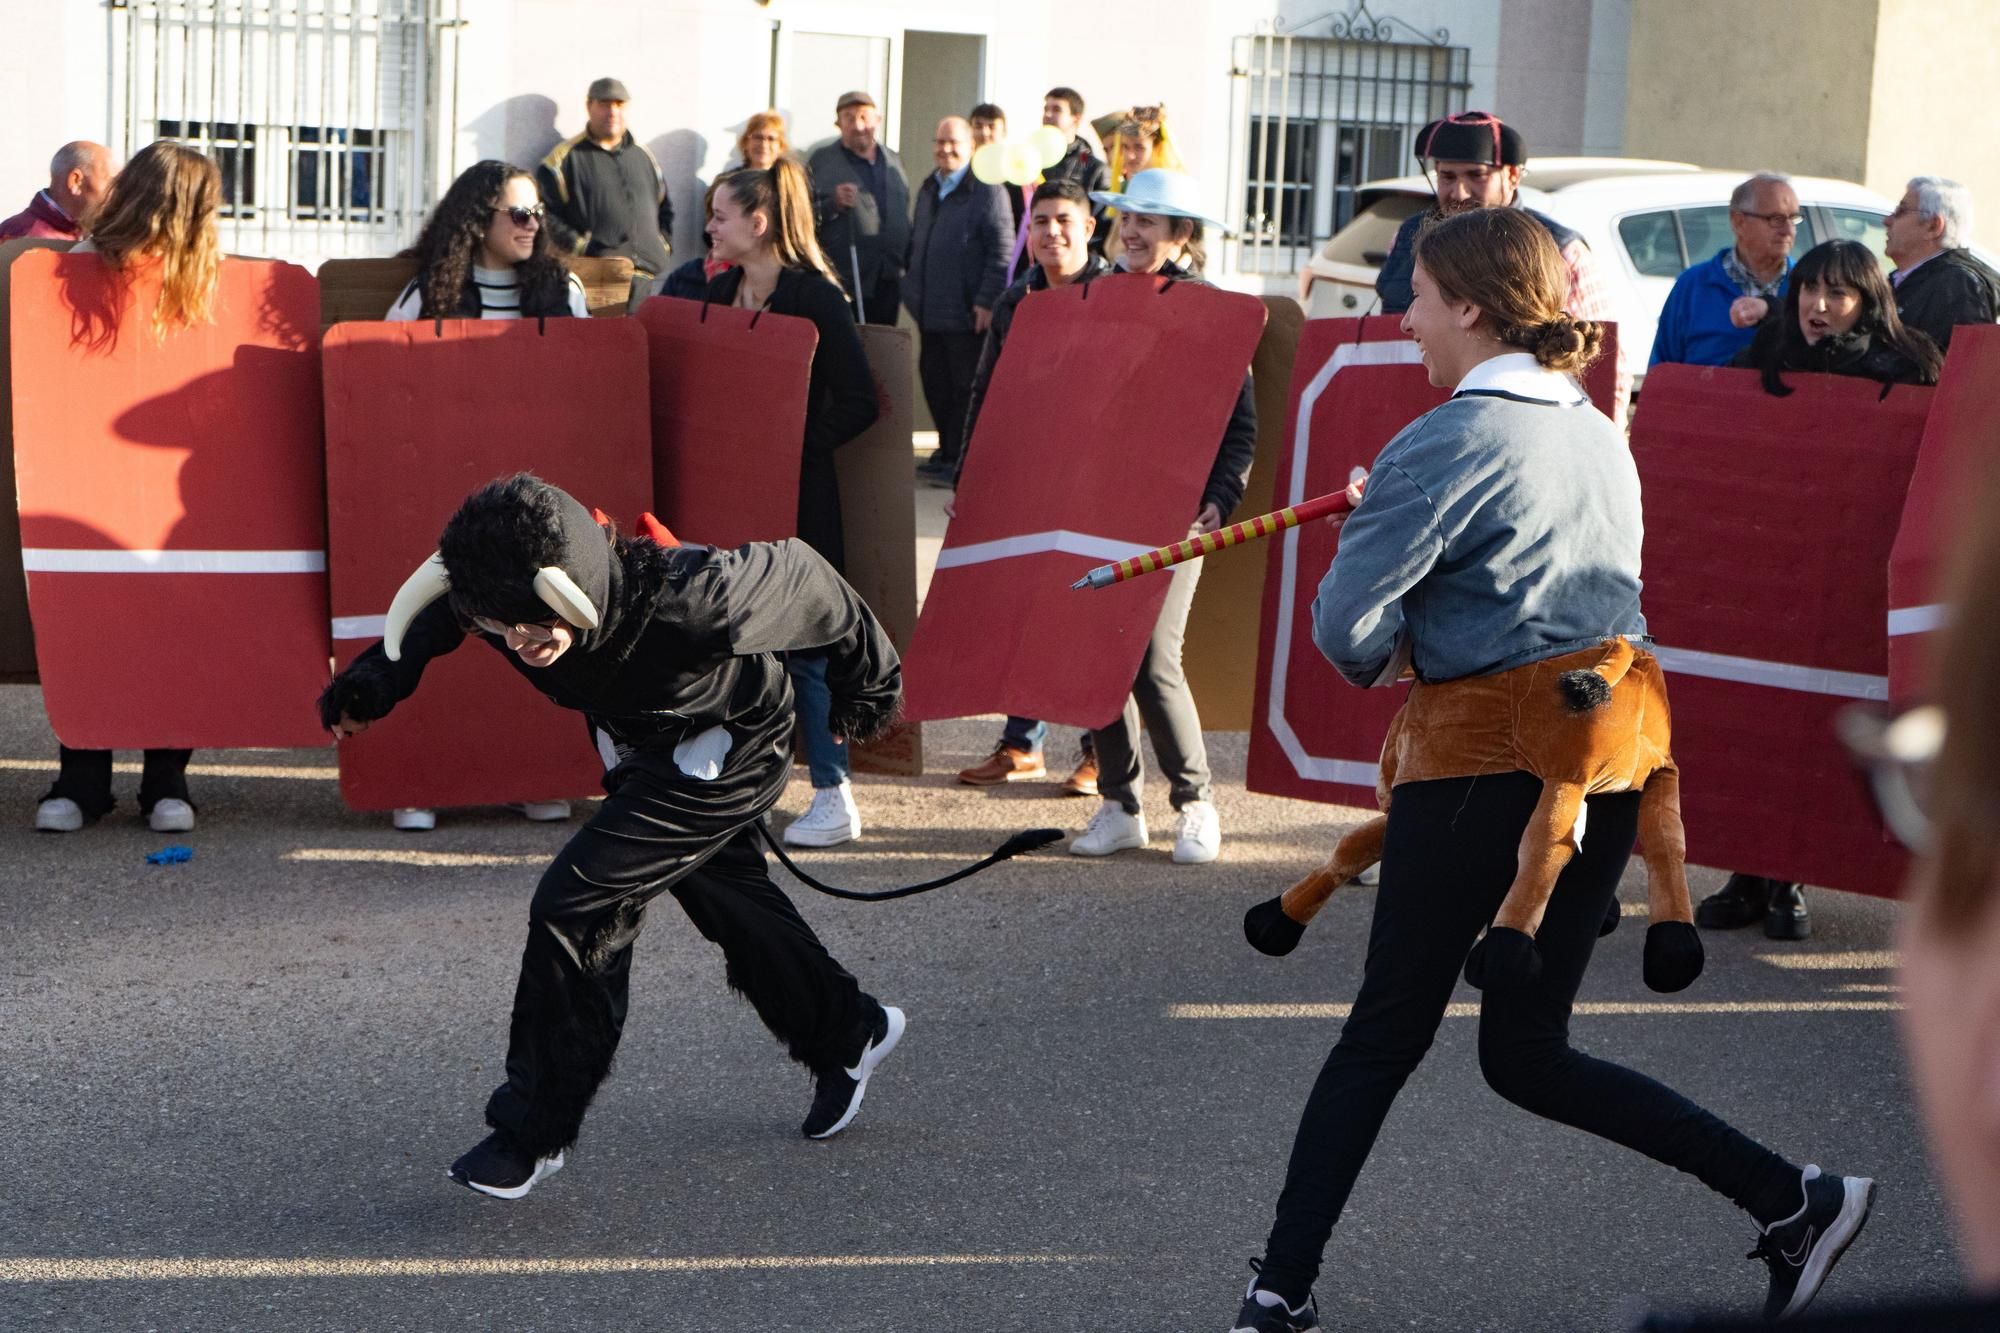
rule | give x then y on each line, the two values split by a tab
1590	687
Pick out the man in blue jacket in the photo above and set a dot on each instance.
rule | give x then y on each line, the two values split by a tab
957	269
1716	305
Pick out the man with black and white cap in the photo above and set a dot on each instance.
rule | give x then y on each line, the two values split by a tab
603	190
1475	160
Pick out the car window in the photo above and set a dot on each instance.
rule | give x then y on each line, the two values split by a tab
1852	224
1650	240
1707	232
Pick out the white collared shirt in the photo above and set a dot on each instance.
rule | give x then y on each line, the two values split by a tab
1519	374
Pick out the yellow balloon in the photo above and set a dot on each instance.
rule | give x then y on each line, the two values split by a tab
1023	164
989	163
1049	145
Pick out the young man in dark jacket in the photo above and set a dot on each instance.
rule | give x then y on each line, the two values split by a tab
1062	109
1939	284
957	269
603	191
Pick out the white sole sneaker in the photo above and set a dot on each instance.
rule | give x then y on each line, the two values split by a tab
545	1168
542	812
871	1057
172	815
413	820
1854	1206
58	814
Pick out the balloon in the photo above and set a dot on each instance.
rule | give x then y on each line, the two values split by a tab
1049	145
989	163
1023	164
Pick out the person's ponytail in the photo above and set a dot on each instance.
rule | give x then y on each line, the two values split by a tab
1563	343
792	226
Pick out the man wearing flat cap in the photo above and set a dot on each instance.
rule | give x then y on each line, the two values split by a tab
603	191
1475	160
861	201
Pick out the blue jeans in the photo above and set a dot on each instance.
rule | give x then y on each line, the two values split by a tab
1026	733
826	758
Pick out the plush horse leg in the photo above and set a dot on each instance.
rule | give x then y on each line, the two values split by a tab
1674	954
1507	955
1276	926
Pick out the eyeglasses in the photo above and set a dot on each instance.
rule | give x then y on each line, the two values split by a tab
1898	754
500	630
521	217
1792	220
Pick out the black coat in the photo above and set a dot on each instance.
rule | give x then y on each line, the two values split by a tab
840	400
872	237
1947	290
607	201
1775	350
1392	280
958	254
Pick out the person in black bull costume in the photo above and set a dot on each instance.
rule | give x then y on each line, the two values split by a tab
672	654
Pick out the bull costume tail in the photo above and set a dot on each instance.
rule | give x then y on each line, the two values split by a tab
1027	840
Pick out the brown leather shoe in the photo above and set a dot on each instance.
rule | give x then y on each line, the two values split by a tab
1083	782
1005	764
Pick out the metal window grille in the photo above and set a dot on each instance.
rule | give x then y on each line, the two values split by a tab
319	112
1324	115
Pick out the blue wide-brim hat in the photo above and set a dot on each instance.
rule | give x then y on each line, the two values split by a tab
1163	193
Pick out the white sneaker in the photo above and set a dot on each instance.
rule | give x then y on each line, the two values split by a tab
831	820
542	812
172	815
411	819
59	814
1110	830
1197	835
1370	877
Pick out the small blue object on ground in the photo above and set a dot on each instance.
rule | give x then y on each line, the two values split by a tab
170	856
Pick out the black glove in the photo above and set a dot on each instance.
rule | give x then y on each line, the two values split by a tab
353	694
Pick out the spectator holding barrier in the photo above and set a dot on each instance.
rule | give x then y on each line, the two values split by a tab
1715	306
762	224
1939	283
861	201
79	174
158	212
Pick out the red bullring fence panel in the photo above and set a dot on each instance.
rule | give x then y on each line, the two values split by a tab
729	418
1355	384
1048	493
418	416
172	504
1769	526
1961	445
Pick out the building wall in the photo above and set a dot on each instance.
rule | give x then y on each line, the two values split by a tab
53	63
1933	79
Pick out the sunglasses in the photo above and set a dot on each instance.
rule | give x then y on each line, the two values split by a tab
500	630
1897	753
521	217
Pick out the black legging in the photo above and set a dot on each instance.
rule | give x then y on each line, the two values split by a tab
85	777
1448	860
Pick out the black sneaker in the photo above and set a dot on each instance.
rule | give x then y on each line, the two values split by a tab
1735	905
1786	918
837	1092
1266	1311
1802	1249
494	1167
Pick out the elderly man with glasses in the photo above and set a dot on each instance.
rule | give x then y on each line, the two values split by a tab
1715	306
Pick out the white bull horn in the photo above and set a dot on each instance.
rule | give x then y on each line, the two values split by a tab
559	591
428	583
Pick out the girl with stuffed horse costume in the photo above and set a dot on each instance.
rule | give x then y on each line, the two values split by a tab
1499	531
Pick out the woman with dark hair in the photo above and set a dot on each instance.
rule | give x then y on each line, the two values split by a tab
1502	529
761	223
1839	318
485	253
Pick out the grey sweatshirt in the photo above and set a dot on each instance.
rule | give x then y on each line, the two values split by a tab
1497	529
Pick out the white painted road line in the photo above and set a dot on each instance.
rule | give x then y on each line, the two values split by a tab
1602	1008
433	860
302	773
180	1269
1851	960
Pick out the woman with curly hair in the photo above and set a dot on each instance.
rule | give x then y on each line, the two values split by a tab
1839	318
158	214
485	254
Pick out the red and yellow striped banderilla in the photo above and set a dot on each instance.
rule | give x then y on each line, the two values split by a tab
1250	529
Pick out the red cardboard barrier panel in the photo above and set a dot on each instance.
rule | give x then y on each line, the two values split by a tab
1769	523
1355	384
417	417
729	418
1961	441
172	505
1063	475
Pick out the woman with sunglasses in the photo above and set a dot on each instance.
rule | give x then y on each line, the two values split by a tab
485	254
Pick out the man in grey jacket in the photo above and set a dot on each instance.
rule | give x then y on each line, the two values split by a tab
957	270
861	202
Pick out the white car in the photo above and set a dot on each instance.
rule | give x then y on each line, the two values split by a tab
1645	221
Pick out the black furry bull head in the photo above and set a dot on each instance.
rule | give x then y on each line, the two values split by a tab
516	550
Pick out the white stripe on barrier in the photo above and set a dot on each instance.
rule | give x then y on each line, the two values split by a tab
1776	675
1582	1009
1059	540
55	560
1917	619
359	627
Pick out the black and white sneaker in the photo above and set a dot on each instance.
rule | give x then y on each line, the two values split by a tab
837	1093
494	1167
1266	1311
1802	1249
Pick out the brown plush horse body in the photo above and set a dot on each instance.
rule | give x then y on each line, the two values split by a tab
1586	723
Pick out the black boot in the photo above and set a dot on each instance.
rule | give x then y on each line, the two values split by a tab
1742	900
1787	918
